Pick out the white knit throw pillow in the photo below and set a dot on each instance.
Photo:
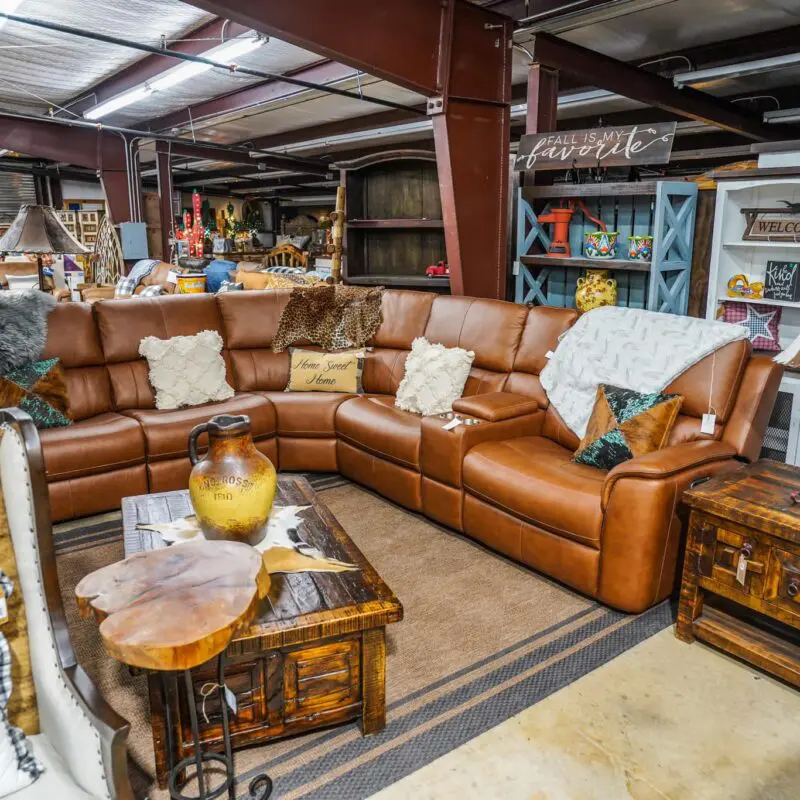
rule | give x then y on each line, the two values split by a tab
186	370
434	379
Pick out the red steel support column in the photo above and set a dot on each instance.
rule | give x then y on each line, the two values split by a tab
542	99
165	197
452	51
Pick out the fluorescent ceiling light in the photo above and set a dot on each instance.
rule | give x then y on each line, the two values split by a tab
224	56
786	116
740	70
8	7
561	20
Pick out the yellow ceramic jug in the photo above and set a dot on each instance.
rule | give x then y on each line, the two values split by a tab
595	290
233	487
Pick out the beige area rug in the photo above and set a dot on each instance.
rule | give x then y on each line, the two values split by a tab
482	639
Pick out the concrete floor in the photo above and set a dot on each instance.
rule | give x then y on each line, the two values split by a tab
664	720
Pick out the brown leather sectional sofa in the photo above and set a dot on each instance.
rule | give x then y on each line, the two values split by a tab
508	482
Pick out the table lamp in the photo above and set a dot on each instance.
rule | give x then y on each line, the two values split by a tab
40	231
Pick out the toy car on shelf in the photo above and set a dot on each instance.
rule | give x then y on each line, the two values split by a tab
438	270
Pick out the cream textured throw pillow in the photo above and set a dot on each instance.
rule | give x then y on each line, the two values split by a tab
186	370
434	379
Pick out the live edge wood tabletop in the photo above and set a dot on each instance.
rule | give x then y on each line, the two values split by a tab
741	578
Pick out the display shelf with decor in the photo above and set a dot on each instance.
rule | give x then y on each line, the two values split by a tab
663	210
394	229
740	266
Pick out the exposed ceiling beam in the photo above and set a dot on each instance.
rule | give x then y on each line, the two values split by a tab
195	43
277	161
271	91
617	76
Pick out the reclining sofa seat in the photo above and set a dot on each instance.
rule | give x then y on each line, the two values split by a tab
508	482
121	326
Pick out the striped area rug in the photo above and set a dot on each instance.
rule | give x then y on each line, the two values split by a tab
482	639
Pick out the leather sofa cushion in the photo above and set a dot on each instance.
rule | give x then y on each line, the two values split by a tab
167	432
372	423
102	443
405	315
536	480
491	328
306	414
124	323
72	337
259	370
250	319
721	372
383	370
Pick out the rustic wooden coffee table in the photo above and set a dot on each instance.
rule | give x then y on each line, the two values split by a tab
314	656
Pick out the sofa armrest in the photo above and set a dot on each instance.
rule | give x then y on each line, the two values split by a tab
496	406
669	461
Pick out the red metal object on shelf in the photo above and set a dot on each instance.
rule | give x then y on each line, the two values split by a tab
438	270
561	218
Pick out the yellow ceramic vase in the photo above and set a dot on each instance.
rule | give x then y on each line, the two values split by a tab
233	487
595	290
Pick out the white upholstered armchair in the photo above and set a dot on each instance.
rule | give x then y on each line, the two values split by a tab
82	742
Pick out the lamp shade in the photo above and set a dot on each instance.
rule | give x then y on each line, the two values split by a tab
38	229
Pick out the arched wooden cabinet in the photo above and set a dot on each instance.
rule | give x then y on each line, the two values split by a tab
394	228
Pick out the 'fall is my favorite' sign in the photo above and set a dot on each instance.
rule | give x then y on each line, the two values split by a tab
625	145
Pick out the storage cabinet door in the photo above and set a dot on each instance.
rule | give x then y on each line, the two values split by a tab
721	556
318	679
782	586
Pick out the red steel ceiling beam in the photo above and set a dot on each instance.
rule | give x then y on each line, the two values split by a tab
149	67
200	151
271	91
604	72
100	150
453	51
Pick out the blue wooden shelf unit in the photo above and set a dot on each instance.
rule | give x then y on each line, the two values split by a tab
665	209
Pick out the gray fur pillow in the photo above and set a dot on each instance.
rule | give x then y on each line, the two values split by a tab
23	327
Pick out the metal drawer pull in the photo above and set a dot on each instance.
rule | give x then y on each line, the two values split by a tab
793	589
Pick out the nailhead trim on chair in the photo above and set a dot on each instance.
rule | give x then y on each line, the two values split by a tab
56	661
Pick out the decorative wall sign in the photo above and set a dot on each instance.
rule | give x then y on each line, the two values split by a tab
773	224
624	145
781	280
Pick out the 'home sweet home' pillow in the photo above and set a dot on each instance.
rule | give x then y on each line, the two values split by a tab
312	371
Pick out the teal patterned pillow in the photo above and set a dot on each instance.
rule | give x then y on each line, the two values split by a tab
40	390
625	424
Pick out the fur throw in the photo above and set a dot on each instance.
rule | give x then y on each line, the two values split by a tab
23	327
333	317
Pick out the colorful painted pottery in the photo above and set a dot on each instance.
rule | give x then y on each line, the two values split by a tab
595	289
191	283
233	487
600	244
640	248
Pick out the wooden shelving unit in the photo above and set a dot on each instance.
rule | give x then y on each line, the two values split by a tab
394	227
664	209
615	264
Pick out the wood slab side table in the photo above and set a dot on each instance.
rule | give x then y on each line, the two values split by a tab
171	610
741	579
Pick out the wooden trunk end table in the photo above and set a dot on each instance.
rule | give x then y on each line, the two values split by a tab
741	578
314	655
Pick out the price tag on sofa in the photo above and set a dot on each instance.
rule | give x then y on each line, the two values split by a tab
708	424
452	425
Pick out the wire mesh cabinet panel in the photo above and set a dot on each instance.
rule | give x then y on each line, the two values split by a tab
782	437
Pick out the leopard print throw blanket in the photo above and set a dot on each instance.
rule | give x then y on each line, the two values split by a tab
333	317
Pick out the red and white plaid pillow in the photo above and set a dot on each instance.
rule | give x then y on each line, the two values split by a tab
762	323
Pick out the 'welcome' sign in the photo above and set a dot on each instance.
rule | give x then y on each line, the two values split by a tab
626	145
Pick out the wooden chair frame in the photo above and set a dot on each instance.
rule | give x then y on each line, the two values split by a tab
286	255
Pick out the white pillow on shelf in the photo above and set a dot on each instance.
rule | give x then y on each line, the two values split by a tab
434	379
186	370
